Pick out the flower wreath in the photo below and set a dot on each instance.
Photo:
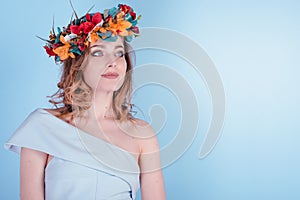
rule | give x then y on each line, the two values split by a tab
77	36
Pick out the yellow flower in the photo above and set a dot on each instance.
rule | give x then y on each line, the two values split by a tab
102	30
120	27
93	37
63	51
120	16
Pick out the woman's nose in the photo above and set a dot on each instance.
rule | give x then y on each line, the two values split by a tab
112	63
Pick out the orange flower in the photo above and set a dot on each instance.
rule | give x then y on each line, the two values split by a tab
120	27
102	30
93	37
120	16
63	51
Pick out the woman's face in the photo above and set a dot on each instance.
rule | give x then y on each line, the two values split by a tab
106	65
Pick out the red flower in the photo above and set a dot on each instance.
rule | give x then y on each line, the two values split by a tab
75	29
133	15
97	18
88	17
80	43
49	51
125	8
86	27
82	47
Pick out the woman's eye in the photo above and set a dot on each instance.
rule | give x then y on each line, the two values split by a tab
120	54
97	53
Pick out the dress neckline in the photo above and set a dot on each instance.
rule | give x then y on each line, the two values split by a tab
86	133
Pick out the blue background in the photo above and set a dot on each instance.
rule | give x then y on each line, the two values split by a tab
255	47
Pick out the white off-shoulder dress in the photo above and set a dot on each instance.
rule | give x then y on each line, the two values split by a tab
83	166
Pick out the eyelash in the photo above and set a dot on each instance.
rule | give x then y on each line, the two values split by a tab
96	52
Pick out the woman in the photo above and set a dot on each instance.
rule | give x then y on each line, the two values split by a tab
90	146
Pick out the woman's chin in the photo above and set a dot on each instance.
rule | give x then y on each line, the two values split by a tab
109	85
107	89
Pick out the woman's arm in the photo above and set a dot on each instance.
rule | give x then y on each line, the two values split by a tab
32	166
151	177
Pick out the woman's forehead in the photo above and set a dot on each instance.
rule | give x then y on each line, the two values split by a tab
109	44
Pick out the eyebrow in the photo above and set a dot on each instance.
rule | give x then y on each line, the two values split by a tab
103	46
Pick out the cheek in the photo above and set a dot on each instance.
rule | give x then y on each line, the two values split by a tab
88	77
122	65
91	74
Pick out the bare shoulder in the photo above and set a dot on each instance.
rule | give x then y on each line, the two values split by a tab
145	135
141	128
141	123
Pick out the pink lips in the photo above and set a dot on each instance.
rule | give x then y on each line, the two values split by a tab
110	75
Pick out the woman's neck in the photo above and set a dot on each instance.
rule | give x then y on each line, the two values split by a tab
101	107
